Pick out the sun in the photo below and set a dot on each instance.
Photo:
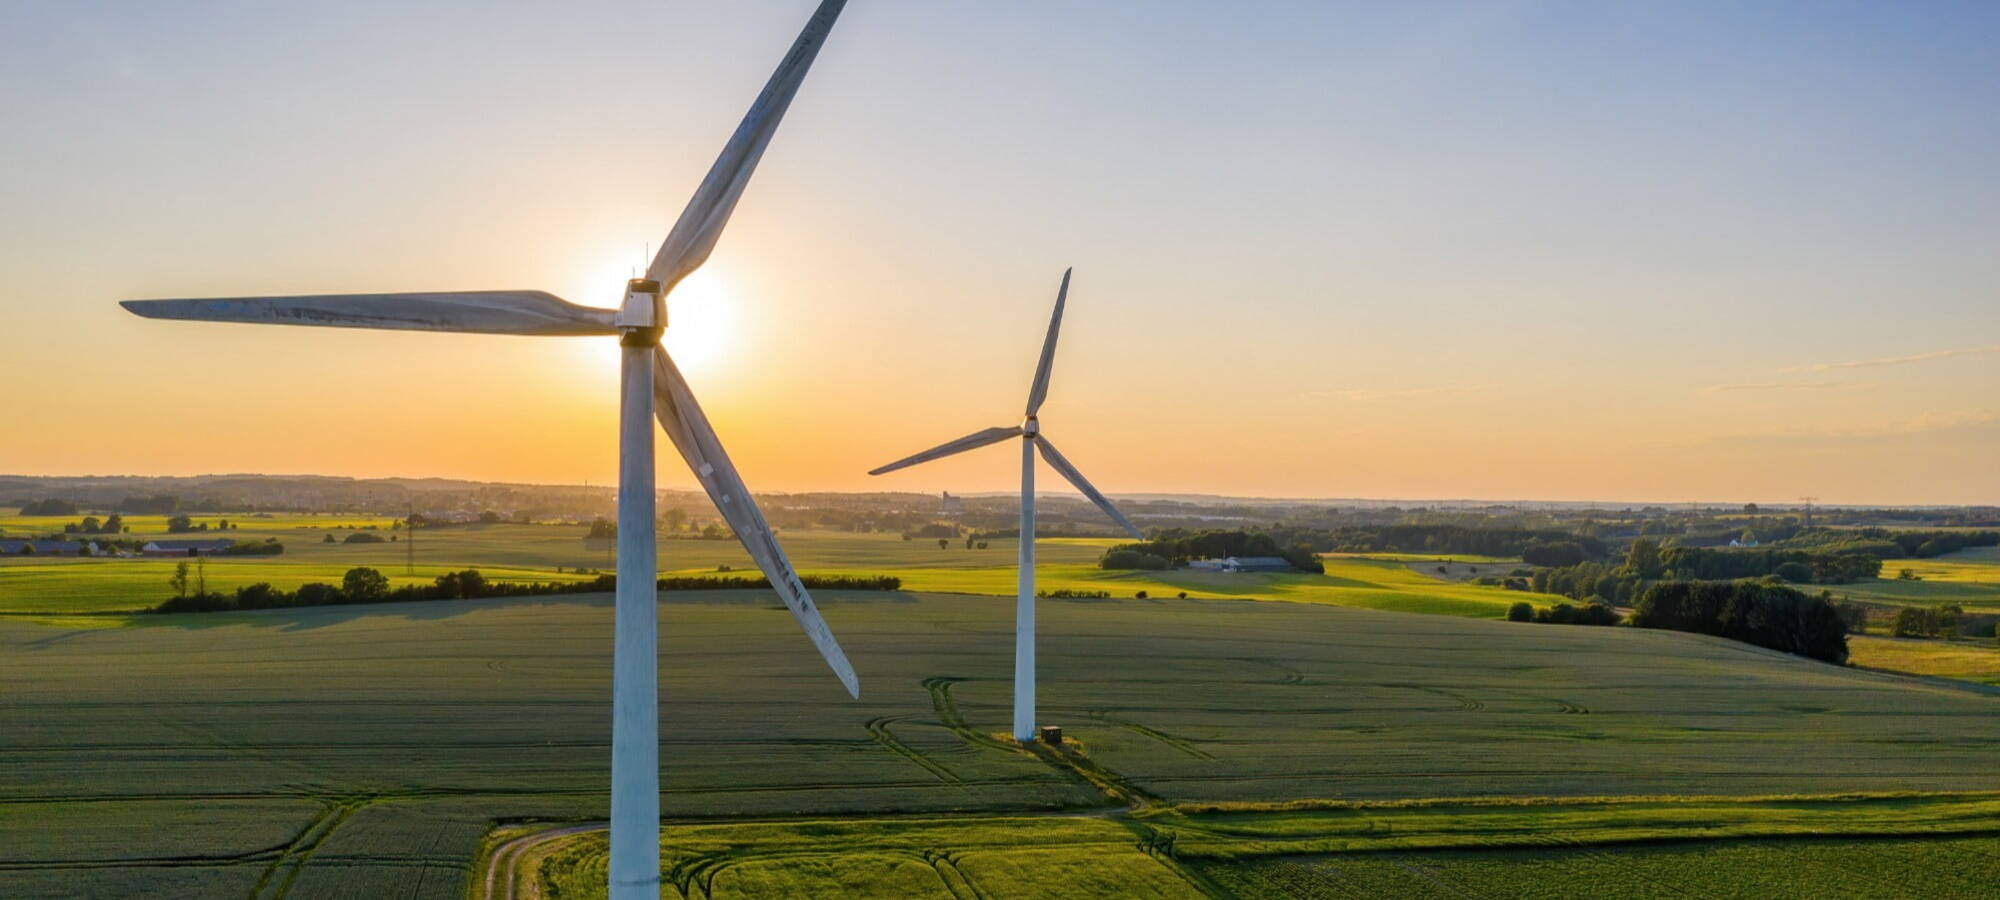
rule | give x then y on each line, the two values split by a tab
701	315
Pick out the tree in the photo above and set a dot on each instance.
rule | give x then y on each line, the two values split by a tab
364	585
1643	559
944	543
1121	558
28	548
1794	572
489	517
1563	553
114	525
1750	508
1521	612
328	539
179	523
179	581
91	525
674	518
201	576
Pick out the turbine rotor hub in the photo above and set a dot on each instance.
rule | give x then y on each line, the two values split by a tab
642	318
1030	428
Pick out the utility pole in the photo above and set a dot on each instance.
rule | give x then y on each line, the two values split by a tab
1809	503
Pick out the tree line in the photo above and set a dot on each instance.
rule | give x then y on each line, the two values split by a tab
1894	544
1767	615
366	585
1171	547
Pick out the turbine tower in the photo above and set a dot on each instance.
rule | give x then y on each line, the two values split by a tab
1030	432
650	385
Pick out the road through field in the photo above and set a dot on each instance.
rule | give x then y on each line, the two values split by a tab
503	872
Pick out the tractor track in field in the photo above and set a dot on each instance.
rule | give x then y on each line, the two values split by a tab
1465	703
695	877
878	728
293	859
1178	743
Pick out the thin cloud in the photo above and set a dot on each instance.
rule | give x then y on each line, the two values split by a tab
1894	360
1934	421
1780	386
1362	394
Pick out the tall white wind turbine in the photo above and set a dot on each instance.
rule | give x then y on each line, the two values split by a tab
1032	439
651	385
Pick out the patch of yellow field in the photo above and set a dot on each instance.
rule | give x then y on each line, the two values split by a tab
1961	659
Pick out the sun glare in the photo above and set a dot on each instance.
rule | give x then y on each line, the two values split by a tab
701	315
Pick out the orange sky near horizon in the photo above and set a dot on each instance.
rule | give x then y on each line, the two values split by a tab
1631	256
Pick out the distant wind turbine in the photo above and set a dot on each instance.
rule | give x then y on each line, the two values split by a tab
649	377
1030	432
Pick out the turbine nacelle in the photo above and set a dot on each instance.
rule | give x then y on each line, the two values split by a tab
643	316
1030	427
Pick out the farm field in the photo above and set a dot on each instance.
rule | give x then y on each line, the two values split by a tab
1965	659
1790	869
1496	849
368	750
532	553
1973	583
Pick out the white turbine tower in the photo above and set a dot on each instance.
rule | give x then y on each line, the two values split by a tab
648	378
1030	432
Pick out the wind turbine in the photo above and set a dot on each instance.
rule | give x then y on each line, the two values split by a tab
648	377
1030	432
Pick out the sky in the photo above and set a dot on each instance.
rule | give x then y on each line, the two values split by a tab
1510	250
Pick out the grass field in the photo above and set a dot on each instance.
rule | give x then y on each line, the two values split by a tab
1966	659
1971	582
367	750
1785	869
532	552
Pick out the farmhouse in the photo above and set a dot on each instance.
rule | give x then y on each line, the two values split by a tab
1242	564
186	548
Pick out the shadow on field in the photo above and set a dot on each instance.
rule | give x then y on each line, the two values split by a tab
311	617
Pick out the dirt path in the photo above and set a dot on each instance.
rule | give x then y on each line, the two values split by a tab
500	867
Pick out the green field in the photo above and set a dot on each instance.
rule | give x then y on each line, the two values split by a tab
1961	578
1453	850
1965	659
348	751
532	552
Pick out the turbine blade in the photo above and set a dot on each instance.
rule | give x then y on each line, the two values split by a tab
1040	390
1062	464
480	312
970	441
685	424
700	224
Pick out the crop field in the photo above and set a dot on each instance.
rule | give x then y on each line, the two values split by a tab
533	552
1801	869
156	525
1324	849
1965	659
346	751
1971	582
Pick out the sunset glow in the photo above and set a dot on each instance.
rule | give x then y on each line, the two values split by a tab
1487	251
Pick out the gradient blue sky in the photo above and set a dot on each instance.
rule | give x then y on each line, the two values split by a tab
1719	251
